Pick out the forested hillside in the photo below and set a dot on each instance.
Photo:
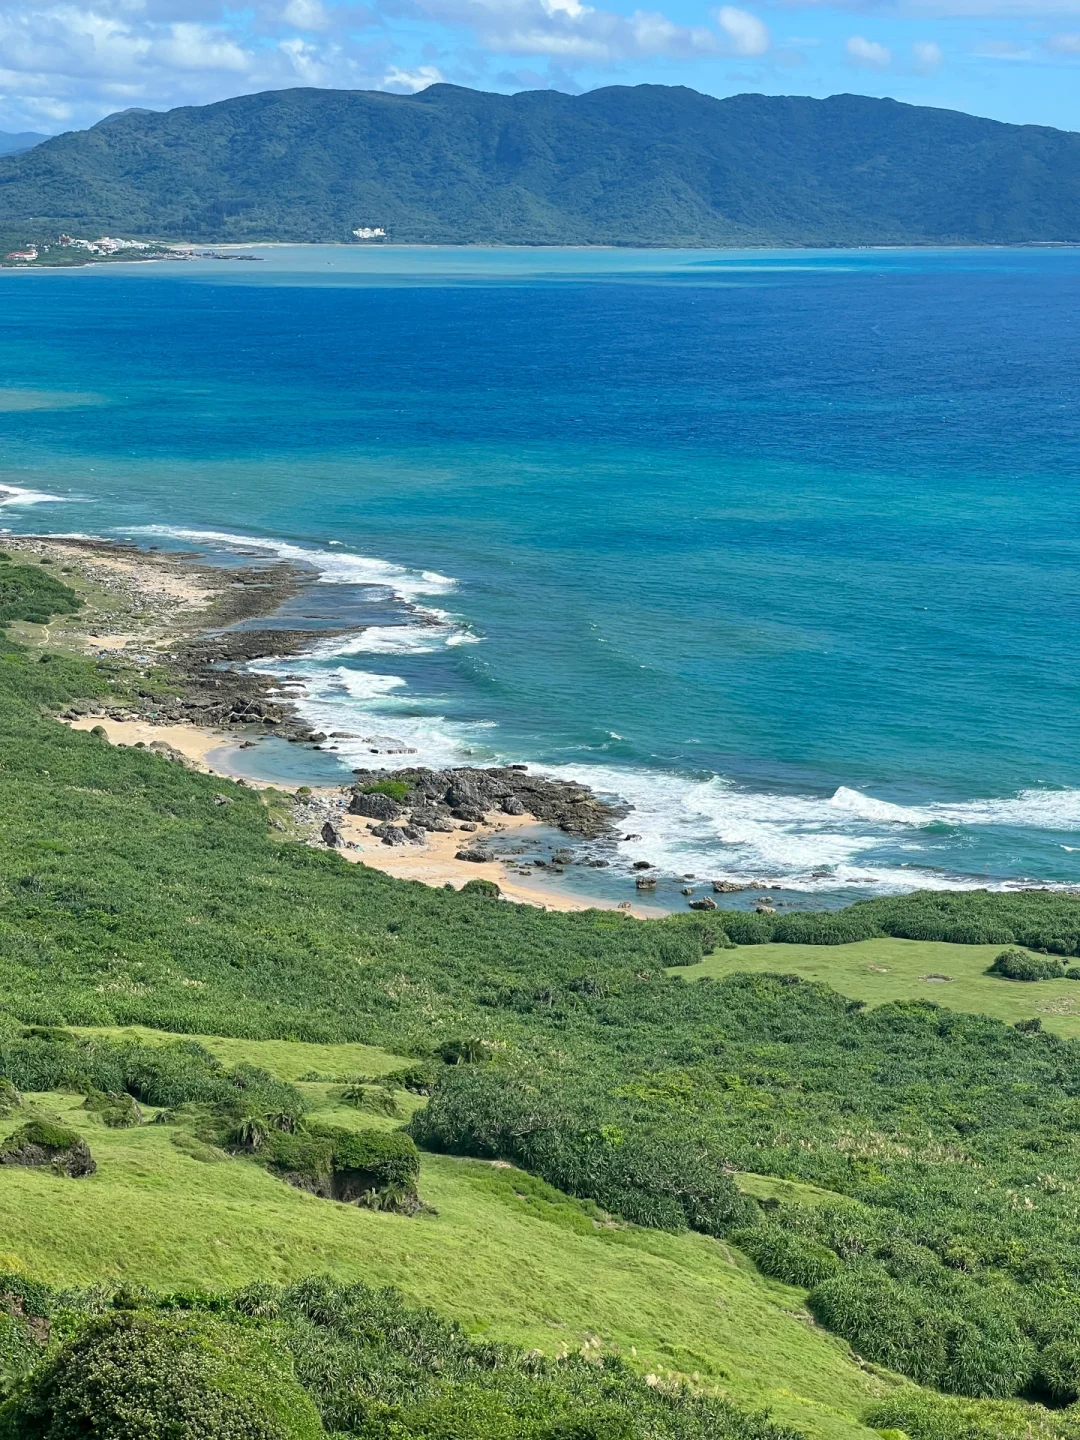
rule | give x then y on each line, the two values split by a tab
644	165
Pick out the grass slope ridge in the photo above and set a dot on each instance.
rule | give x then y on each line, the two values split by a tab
644	165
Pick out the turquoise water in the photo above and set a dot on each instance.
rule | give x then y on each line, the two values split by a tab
780	547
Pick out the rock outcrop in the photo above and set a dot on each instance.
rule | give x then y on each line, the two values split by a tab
41	1143
435	798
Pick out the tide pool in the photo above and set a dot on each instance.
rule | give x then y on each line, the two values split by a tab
782	548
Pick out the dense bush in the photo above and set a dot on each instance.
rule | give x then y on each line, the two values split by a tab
1018	965
666	1180
162	1377
912	1415
270	1363
29	593
961	1343
787	1255
161	1075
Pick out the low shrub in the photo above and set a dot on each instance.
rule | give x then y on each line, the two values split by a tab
118	1110
486	888
1018	965
793	1258
418	1079
48	1134
303	1158
389	1158
379	1099
396	789
915	1416
154	1377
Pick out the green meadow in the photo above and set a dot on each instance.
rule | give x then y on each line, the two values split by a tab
503	1253
886	969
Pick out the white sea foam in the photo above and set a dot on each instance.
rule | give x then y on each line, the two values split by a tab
16	495
384	640
705	826
805	842
334	567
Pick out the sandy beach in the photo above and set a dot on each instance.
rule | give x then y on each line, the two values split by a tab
194	744
432	863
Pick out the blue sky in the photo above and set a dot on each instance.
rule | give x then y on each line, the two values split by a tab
66	63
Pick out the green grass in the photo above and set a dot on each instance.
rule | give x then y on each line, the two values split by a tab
504	1254
879	971
288	1059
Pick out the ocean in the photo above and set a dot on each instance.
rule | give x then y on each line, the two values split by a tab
781	548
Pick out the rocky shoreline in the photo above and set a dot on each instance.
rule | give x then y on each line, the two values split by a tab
419	800
190	632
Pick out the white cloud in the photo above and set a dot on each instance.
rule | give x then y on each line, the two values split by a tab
1030	10
410	81
573	32
861	51
195	47
1064	44
928	56
305	15
747	34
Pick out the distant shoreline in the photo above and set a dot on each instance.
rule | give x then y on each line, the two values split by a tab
181	248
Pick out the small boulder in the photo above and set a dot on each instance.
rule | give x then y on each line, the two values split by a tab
431	819
331	835
705	903
473	814
478	856
512	806
391	834
375	805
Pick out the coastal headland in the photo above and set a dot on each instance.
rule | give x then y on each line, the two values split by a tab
178	635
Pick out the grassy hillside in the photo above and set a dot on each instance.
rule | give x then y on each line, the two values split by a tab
909	1171
887	969
645	165
506	1255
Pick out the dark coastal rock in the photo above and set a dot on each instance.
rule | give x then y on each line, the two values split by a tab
375	807
430	818
730	887
41	1143
646	882
479	856
643	865
390	834
705	903
331	835
473	794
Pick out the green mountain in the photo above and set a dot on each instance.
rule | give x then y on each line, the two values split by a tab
643	165
25	140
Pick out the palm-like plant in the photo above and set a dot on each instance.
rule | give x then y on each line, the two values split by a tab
252	1131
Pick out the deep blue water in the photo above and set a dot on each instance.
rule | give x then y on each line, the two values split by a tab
782	547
